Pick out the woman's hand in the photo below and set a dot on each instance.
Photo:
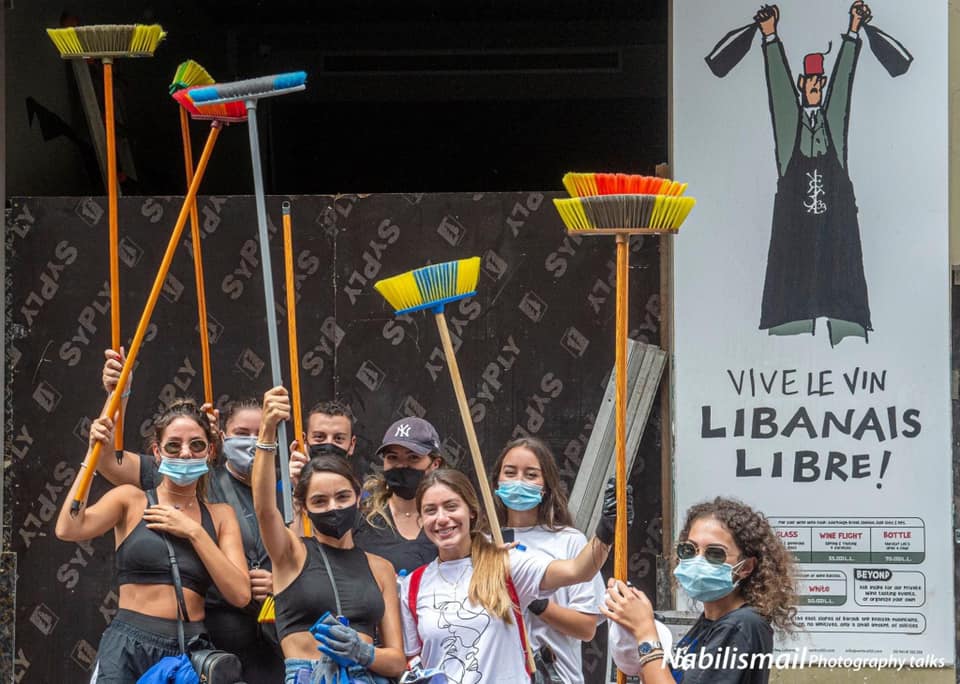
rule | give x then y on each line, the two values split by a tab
631	608
298	459
101	430
164	518
261	583
112	368
276	408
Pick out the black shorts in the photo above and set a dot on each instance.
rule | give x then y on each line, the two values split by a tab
134	642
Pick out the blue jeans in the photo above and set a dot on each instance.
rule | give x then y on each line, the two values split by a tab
303	668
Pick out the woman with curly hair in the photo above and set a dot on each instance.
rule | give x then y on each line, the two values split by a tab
731	560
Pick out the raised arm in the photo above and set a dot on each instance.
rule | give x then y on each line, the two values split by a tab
278	540
107	513
127	472
781	91
837	105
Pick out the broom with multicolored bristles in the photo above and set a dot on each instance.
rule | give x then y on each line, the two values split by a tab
106	43
191	74
433	287
622	205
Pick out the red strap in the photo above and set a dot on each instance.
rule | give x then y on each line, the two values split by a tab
413	590
512	590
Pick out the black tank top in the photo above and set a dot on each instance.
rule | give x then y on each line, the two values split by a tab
310	595
142	558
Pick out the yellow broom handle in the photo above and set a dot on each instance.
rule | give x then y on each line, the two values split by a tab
86	474
622	319
468	428
197	262
114	234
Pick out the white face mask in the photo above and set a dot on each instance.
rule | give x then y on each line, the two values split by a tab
239	452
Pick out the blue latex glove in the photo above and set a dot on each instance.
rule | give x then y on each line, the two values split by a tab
343	644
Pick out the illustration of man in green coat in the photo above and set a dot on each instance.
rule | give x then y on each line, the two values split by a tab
815	263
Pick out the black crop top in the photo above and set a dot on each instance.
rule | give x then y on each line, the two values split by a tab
310	595
142	557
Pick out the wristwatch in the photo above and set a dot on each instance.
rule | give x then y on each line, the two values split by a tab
648	647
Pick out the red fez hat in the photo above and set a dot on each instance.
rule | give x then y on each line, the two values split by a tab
813	64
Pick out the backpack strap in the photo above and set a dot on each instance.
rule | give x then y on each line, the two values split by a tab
412	591
518	614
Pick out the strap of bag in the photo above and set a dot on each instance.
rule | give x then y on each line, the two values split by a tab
518	614
413	591
177	584
223	487
333	582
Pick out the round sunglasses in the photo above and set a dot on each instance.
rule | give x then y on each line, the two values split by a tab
196	446
713	554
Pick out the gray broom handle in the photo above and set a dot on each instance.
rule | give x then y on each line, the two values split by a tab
271	304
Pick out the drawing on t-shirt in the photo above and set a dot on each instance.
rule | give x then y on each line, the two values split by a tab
460	661
815	260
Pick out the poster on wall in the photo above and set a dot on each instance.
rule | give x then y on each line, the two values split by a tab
812	313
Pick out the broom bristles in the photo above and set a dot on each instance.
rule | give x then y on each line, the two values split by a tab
625	211
107	40
431	287
190	74
590	184
228	111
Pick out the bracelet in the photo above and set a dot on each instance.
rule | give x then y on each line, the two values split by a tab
650	657
125	394
267	446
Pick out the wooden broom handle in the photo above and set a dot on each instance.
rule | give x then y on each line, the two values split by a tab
197	263
620	549
86	474
464	407
114	233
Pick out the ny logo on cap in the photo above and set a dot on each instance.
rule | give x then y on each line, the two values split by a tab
403	430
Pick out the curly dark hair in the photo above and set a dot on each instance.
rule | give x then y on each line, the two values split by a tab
770	588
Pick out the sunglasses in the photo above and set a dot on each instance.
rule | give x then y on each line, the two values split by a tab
713	554
197	446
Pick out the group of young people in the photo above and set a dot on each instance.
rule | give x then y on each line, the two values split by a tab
402	566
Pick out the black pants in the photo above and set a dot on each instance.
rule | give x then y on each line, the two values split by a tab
134	642
239	633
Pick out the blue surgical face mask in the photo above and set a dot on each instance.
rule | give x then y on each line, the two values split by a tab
519	496
183	471
239	452
704	581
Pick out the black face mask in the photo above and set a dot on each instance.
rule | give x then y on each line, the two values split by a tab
327	448
334	523
403	481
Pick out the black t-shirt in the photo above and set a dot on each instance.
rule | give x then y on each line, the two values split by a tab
731	640
384	540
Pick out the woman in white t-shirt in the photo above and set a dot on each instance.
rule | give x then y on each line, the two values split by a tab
458	613
529	501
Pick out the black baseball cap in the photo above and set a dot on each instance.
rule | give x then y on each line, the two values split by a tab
416	434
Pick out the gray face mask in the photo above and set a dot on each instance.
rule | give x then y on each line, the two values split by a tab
239	452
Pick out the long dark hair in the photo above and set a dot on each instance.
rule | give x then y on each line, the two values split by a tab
187	408
552	512
769	589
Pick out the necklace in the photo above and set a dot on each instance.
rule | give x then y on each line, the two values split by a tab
456	582
405	514
192	497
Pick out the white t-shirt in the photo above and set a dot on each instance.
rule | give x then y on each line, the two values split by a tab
584	598
461	638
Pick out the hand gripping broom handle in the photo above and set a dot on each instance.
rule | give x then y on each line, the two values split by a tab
468	428
114	234
197	262
86	474
271	305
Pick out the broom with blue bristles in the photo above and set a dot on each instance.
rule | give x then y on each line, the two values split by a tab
433	287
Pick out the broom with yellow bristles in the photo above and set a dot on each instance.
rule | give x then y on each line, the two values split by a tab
106	43
191	74
622	205
433	287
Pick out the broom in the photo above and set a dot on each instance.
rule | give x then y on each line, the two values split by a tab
190	74
106	43
90	464
603	204
432	287
250	91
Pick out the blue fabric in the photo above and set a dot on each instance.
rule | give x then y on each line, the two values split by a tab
171	670
303	671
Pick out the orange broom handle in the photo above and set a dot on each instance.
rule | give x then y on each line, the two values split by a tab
86	473
114	234
197	263
292	335
622	319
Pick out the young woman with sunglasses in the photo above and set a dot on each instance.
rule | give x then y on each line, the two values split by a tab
324	574
206	539
389	525
230	628
731	560
529	500
458	612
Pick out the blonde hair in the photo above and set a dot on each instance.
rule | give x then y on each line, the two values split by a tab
488	586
